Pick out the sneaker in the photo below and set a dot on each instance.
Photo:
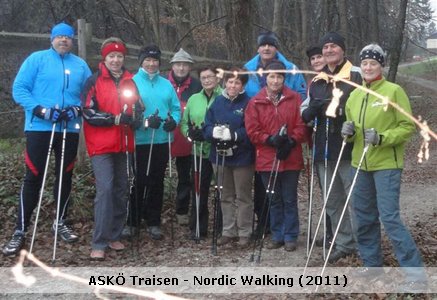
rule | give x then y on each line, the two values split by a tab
224	240
274	244
97	255
337	255
182	219
14	245
116	245
290	246
65	232
155	232
243	242
128	231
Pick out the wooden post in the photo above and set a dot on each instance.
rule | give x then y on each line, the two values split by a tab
82	39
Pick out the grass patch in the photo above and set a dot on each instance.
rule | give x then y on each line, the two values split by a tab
425	67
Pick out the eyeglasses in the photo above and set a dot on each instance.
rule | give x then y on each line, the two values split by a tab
205	78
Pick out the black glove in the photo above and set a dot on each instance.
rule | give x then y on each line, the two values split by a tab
70	113
137	122
315	108
284	151
49	114
195	134
169	124
123	119
277	140
154	121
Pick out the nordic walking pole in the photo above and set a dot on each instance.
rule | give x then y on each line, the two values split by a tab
271	199
311	187
334	174
41	192
216	200
196	191
199	183
325	179
170	177
366	148
61	172
264	215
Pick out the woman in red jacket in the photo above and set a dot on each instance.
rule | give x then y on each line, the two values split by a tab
273	108
110	108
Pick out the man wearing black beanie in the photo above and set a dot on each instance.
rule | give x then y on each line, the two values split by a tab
328	139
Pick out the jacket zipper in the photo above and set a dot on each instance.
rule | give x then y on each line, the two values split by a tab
364	104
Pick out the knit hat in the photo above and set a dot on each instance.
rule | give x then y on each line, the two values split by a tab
268	38
149	51
313	50
276	65
333	37
62	29
182	56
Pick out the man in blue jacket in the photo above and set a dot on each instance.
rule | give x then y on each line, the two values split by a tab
268	45
48	87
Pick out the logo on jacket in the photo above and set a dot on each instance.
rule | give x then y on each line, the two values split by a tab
239	112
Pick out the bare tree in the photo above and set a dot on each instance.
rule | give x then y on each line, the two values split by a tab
398	35
239	29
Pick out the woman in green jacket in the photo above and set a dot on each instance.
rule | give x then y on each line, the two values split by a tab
191	126
375	196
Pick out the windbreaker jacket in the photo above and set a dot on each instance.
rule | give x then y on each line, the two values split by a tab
295	82
394	128
226	112
263	118
194	114
321	90
51	80
102	100
181	146
157	94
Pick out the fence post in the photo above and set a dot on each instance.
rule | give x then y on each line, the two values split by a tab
82	41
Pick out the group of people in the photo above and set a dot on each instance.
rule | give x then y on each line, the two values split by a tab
243	132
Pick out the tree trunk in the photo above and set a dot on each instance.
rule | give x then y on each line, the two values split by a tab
398	33
239	29
277	16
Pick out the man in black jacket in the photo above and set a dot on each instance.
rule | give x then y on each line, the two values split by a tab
328	139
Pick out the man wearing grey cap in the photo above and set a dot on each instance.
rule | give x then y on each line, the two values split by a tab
185	86
328	139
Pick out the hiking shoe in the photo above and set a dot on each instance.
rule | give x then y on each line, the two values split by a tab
155	232
182	219
337	255
243	242
129	231
224	240
15	244
65	232
98	255
290	246
368	272
319	243
274	244
116	245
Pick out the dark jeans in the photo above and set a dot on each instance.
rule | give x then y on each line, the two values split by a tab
205	182
184	188
284	215
259	202
149	190
37	147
